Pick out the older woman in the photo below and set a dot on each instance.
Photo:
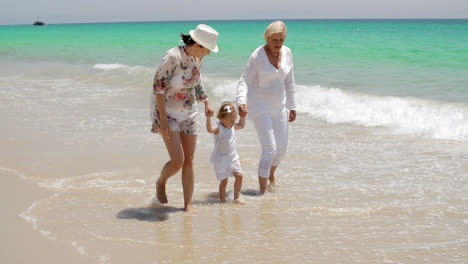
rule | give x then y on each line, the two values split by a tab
267	87
176	88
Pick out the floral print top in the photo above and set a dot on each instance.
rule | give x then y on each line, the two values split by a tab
178	78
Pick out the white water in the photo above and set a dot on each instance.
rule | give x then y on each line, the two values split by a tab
367	178
427	118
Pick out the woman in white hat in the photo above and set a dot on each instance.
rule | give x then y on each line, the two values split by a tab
176	89
267	86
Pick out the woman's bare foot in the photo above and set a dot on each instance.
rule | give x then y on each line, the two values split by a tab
161	192
275	184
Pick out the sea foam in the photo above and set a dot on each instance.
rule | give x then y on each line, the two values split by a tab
431	118
109	66
131	69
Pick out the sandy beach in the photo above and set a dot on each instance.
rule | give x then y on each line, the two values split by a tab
20	243
108	216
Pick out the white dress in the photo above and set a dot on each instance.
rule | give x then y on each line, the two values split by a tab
224	156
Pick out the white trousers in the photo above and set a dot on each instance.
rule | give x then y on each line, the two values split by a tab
272	130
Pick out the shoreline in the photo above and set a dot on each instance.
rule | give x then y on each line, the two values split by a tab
20	242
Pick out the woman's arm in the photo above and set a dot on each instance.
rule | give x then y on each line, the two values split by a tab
290	86
166	68
290	93
164	128
242	87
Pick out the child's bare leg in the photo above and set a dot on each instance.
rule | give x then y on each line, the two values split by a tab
222	190
272	179
238	187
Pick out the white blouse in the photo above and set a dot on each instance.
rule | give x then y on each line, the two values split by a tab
265	88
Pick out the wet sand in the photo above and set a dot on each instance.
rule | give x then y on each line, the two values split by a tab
20	243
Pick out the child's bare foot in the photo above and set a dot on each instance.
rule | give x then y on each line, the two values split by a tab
161	192
239	201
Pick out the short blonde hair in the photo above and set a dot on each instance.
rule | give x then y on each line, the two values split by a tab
227	108
275	27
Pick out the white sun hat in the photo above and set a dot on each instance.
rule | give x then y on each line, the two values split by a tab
205	36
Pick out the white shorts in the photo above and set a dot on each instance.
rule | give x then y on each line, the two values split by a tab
224	171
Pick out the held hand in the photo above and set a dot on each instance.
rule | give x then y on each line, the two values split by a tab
243	110
209	112
292	115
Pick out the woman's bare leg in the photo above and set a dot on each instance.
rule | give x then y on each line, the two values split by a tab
189	142
272	179
176	155
263	184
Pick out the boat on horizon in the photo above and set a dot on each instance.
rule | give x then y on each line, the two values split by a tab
38	23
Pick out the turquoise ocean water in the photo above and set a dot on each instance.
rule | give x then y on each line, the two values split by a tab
377	168
398	57
422	59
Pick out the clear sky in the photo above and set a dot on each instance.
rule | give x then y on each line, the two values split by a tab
76	11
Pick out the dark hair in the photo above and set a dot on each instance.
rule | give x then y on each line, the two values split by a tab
187	39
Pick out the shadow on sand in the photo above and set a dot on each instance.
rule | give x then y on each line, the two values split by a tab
159	212
149	214
256	192
251	192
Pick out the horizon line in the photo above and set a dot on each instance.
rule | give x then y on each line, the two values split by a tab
227	20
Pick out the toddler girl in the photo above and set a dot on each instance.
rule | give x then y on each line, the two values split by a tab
225	158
